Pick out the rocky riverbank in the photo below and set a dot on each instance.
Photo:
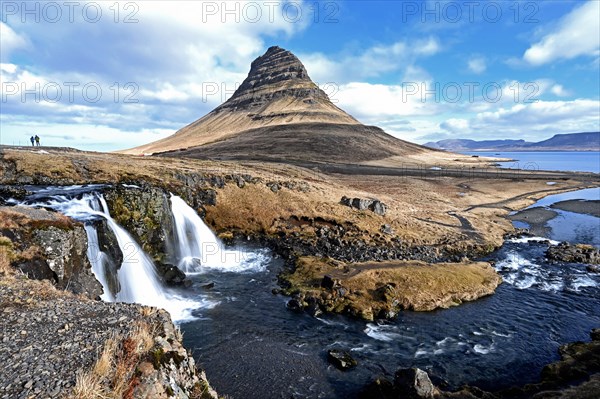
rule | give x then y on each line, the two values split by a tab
60	341
575	376
56	344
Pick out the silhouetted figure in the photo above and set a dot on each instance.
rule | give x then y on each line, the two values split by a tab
32	141
37	140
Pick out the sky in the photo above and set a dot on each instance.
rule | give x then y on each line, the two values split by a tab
109	75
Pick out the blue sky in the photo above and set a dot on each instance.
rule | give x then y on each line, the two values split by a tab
110	75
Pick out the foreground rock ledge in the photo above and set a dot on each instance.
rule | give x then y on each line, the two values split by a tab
58	345
380	289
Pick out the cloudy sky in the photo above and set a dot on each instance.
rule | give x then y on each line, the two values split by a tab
112	75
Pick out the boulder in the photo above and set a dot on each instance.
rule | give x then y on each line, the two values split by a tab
413	383
172	275
341	359
295	305
579	253
387	229
593	268
363	204
329	282
378	207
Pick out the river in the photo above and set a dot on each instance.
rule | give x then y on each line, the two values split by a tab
251	346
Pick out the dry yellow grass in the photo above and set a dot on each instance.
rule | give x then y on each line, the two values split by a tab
373	287
418	209
113	374
6	256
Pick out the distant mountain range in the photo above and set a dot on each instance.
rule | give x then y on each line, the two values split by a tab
589	141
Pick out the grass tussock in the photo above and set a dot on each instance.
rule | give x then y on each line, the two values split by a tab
7	255
10	220
113	374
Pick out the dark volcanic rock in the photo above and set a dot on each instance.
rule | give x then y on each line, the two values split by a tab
278	73
65	253
329	282
172	275
409	383
341	359
363	204
12	192
146	214
568	253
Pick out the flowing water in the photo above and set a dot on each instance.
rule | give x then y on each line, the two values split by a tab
253	347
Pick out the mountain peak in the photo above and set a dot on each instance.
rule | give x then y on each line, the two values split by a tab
276	74
276	92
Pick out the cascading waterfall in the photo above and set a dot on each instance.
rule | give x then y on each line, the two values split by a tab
198	247
137	277
99	261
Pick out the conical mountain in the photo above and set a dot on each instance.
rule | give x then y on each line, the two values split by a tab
279	113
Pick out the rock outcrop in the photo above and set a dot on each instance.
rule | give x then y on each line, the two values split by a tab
145	213
54	342
408	383
578	253
341	359
65	253
363	204
49	246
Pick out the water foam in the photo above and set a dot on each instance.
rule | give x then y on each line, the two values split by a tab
199	249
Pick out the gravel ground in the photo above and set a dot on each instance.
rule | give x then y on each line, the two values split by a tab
48	335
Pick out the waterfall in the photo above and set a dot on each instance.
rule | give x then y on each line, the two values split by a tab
99	261
137	277
197	246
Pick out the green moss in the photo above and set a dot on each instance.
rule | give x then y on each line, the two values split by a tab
169	391
157	358
6	242
160	358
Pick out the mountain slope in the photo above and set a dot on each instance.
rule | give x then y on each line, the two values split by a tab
560	142
277	91
472	145
278	113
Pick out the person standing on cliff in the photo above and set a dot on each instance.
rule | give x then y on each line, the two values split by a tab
32	141
37	140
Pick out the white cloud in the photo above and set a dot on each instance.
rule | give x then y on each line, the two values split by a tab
454	125
372	102
533	121
9	41
175	55
372	62
559	90
477	65
577	34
